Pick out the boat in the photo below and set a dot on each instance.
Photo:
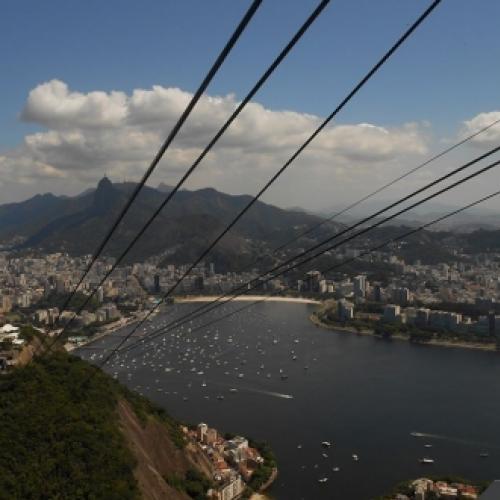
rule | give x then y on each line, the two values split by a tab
233	390
355	457
323	480
336	469
325	455
416	434
426	460
427	445
326	444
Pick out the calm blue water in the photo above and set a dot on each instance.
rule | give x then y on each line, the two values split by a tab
363	394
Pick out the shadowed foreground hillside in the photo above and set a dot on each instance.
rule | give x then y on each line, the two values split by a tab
60	441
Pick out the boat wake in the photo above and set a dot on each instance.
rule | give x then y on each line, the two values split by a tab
269	393
451	439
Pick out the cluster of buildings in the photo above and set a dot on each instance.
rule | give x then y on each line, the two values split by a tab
233	461
410	297
424	489
50	316
10	343
422	283
29	281
26	282
425	318
488	324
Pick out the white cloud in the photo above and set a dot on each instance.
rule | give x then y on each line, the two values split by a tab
480	121
53	105
88	134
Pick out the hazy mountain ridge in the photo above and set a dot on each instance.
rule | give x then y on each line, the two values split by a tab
190	222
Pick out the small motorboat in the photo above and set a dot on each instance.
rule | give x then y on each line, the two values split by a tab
426	460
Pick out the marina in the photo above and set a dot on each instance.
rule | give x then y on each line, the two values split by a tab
333	421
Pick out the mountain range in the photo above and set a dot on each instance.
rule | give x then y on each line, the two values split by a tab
191	221
183	229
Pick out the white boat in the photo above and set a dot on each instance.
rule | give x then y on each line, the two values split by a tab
326	444
426	460
323	480
336	469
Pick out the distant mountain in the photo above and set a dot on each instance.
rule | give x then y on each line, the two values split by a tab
164	188
192	220
465	222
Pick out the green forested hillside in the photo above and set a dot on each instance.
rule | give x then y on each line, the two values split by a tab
60	443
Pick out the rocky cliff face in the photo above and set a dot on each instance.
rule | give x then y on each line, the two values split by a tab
157	456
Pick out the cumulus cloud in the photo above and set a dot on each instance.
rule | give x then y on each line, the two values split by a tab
480	121
87	134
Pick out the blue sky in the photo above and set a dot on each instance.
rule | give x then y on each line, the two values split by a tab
446	73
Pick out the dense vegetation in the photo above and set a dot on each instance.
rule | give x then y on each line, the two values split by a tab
194	484
264	471
57	442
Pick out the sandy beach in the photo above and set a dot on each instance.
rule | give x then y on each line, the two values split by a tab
247	298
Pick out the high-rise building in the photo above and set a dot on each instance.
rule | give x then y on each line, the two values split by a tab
345	310
156	284
392	312
360	284
401	296
201	431
312	281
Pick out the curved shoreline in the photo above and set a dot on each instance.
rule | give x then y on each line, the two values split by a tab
245	298
432	343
